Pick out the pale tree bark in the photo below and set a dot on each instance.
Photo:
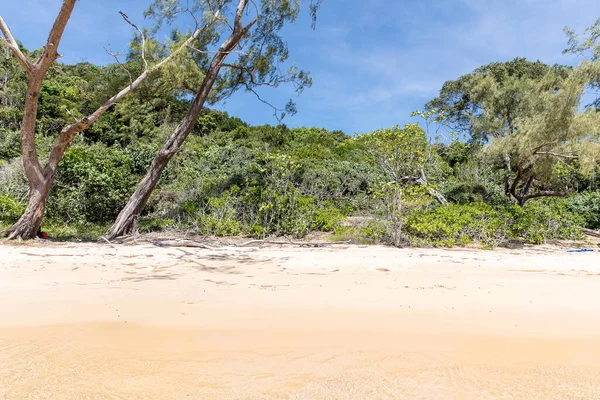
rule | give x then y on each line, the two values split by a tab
39	183
41	179
126	222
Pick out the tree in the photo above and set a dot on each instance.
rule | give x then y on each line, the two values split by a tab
486	102
527	113
40	178
404	155
550	140
258	50
589	49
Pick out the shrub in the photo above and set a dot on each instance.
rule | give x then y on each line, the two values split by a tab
219	217
9	143
327	218
544	220
10	209
458	224
587	205
13	182
93	183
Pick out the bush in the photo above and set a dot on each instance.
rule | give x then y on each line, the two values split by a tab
219	217
13	182
10	209
93	183
587	205
328	218
458	224
154	224
10	145
544	220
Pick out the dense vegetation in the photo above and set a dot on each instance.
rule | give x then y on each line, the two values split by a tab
527	169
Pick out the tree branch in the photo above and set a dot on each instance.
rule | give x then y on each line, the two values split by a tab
275	109
237	24
126	18
50	53
541	146
69	132
527	186
551	153
513	186
116	57
12	44
217	51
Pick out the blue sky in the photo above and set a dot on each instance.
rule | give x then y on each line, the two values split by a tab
373	62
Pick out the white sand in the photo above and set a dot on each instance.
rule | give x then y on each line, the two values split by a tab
84	321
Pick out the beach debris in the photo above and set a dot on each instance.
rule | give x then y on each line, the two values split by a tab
589	232
183	243
290	243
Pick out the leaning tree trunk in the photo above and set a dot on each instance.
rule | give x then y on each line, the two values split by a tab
126	222
40	180
29	224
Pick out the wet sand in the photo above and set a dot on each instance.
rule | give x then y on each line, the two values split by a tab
347	322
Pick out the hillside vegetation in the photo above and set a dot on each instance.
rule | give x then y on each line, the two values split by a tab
524	168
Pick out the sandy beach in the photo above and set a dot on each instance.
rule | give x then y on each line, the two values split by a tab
91	321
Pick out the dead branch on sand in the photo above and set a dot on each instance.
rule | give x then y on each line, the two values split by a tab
290	243
590	232
183	243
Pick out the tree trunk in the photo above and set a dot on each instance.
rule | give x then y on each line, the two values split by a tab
126	222
29	224
40	181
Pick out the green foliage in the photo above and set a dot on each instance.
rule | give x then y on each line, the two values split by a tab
530	116
459	224
219	217
232	178
92	184
485	102
12	98
10	209
13	183
74	232
10	145
328	218
587	206
399	152
154	224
